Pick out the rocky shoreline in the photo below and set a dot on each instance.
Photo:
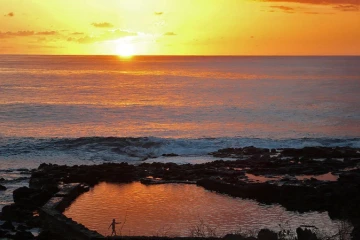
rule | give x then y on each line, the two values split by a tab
279	169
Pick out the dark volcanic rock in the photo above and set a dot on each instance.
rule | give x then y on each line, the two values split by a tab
23	193
2	233
21	228
356	231
350	177
51	188
33	222
321	152
23	235
8	225
253	150
16	213
237	237
170	155
305	234
46	235
31	197
227	152
266	234
238	152
2	188
41	198
292	197
228	177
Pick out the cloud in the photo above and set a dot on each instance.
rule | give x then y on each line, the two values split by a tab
106	36
170	34
102	25
121	33
85	39
158	13
340	5
42	46
347	7
284	8
47	33
319	2
16	34
77	33
10	14
26	34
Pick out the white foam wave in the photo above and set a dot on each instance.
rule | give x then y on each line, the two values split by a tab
94	150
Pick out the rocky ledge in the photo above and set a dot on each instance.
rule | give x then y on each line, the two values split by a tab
282	172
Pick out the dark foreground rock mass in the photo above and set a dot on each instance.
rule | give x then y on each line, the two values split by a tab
286	176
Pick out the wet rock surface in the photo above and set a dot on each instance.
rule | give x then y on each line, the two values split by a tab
282	166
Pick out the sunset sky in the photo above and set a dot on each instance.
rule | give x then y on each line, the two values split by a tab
180	27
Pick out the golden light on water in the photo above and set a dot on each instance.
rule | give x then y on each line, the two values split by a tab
174	209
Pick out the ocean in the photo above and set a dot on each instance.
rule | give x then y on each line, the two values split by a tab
95	109
105	108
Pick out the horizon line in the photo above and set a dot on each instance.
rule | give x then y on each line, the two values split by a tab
180	55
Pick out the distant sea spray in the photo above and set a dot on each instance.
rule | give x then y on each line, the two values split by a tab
116	149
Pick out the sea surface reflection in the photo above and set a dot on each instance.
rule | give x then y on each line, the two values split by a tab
174	209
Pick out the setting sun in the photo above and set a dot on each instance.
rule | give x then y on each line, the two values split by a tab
125	49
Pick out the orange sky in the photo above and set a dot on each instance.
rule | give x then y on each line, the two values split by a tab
178	27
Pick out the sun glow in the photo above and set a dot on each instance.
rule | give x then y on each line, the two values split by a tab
157	27
125	49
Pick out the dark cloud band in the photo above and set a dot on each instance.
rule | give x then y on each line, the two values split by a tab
102	25
319	2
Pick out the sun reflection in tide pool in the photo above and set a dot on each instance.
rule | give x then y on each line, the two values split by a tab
173	209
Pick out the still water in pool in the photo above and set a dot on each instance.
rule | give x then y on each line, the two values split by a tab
175	209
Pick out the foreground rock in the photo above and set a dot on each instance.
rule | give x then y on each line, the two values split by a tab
230	177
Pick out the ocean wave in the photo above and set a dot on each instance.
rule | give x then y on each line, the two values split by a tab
139	148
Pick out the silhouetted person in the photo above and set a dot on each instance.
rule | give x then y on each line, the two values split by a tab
112	225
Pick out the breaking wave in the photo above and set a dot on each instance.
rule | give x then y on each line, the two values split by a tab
117	149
